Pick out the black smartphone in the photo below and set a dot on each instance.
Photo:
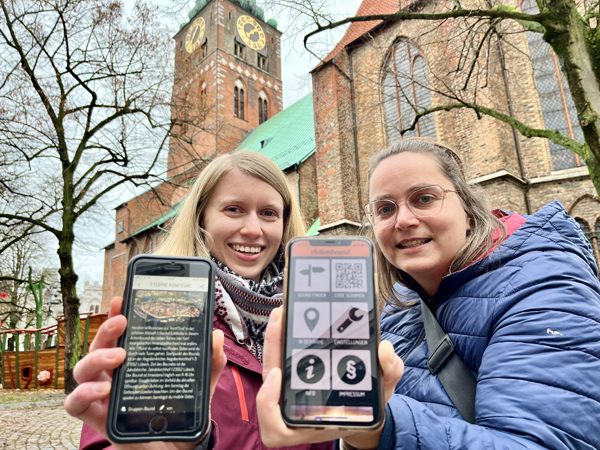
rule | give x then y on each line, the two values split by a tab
161	391
331	374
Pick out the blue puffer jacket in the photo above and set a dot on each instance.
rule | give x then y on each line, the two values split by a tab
526	321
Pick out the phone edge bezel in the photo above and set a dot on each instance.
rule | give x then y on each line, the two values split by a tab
113	434
332	425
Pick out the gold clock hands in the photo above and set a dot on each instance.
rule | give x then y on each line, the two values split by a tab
194	34
255	29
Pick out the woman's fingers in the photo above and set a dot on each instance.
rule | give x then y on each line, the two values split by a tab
273	430
109	332
219	360
272	347
89	403
392	367
115	306
97	364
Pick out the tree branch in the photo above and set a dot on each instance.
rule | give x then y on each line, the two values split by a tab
497	12
39	223
525	130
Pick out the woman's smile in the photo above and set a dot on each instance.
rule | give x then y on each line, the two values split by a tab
413	244
244	249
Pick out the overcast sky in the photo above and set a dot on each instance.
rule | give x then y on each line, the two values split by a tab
296	64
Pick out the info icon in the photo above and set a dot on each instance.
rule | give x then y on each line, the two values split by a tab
311	369
351	370
311	320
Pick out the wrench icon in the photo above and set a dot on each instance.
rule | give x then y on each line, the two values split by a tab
352	317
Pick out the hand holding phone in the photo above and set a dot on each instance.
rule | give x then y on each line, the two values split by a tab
161	391
275	432
89	401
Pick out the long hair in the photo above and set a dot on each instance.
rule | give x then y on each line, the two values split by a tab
188	238
473	199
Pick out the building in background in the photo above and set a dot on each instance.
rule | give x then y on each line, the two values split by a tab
90	297
228	72
379	74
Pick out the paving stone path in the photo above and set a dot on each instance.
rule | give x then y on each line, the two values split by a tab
38	426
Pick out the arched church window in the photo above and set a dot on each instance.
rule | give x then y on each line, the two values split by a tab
263	110
585	228
405	86
236	95
241	103
238	102
558	108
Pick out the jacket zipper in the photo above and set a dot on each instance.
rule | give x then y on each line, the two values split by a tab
240	388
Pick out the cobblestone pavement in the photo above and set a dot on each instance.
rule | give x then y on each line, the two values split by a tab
38	427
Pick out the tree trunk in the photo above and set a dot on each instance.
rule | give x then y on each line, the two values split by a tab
593	166
13	321
572	40
68	283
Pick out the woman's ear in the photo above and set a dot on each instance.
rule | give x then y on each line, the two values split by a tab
468	224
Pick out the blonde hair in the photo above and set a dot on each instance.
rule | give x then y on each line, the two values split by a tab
188	238
473	199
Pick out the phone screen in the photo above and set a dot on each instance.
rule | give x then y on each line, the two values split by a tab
162	385
331	372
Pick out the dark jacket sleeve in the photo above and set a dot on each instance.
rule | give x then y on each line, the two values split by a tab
538	379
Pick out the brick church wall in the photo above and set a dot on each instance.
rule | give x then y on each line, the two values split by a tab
336	169
309	201
488	148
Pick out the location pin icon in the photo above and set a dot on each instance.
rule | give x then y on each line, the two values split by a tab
311	317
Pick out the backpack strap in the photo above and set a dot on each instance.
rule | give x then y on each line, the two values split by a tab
457	379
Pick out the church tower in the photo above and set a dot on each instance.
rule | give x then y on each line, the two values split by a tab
227	79
227	82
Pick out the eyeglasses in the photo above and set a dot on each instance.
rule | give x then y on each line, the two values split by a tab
423	202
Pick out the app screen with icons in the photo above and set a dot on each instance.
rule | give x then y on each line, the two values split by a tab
331	370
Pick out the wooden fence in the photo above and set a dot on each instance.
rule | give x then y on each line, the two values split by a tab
44	351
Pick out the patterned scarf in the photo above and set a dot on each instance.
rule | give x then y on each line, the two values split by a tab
245	305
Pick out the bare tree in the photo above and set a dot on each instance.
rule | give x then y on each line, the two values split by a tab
480	30
85	107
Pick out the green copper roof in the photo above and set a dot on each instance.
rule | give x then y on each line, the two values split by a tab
161	220
288	138
313	230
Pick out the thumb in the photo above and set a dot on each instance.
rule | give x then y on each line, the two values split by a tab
267	398
219	360
392	367
273	430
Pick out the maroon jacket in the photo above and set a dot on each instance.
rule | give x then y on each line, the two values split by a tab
233	407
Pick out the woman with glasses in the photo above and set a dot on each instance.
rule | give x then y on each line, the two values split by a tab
518	297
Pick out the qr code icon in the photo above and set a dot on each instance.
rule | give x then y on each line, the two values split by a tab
350	276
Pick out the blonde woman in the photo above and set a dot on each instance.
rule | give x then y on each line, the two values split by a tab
240	213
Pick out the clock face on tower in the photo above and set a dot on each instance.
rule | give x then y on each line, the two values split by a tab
251	32
194	36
